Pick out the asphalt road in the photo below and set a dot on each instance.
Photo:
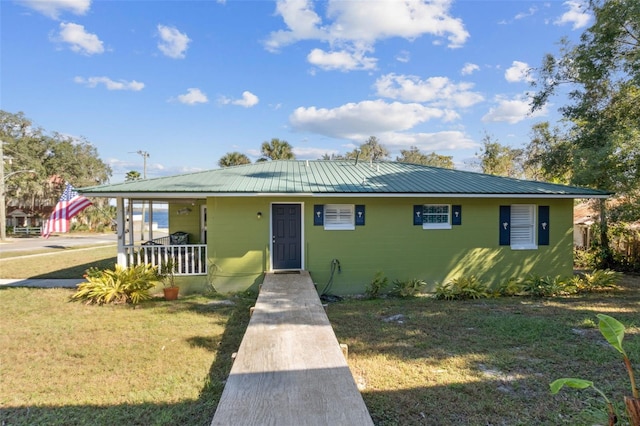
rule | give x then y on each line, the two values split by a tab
56	241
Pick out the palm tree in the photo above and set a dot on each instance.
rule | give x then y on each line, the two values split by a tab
277	150
132	175
233	159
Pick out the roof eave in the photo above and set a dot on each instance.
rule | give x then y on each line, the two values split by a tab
192	195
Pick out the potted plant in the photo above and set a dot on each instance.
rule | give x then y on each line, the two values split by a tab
167	273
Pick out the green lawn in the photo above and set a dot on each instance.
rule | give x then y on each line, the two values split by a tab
71	262
417	361
65	363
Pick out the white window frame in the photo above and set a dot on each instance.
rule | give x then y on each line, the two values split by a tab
436	225
523	227
339	217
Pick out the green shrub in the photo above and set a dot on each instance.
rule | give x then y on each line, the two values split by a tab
538	286
462	288
377	285
120	285
409	288
599	279
511	287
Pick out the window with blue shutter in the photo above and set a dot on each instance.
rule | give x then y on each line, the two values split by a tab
417	215
339	217
360	215
505	225
522	226
456	215
318	215
543	225
518	226
433	216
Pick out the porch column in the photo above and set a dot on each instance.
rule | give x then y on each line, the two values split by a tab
122	231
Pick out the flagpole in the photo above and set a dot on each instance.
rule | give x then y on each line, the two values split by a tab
3	211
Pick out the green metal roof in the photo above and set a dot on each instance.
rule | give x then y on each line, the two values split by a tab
336	178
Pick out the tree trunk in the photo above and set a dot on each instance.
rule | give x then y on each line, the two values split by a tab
606	255
633	410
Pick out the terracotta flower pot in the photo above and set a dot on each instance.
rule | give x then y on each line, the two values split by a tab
171	293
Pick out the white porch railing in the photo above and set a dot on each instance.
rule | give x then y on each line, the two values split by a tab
189	259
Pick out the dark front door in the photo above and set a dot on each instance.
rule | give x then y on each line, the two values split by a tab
286	238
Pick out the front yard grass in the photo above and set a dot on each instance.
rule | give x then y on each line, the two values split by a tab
417	360
65	363
488	361
71	262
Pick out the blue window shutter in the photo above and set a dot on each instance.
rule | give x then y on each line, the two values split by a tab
505	225
417	215
318	215
456	215
543	225
359	215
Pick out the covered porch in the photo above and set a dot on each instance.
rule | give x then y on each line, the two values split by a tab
181	244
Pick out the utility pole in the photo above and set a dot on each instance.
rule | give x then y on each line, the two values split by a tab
144	155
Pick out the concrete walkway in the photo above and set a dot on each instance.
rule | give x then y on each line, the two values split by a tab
289	369
40	283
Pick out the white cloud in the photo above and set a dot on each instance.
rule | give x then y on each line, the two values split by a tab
439	91
110	84
341	60
302	23
383	19
360	120
172	42
80	41
350	27
248	100
576	15
512	110
192	97
309	153
518	71
532	11
469	68
428	142
404	56
54	8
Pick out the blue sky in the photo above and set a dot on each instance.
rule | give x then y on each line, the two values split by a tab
188	81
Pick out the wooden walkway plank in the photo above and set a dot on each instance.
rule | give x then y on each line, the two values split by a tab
289	369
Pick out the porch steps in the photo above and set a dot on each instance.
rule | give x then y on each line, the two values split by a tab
290	369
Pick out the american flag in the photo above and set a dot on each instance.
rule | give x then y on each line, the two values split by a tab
70	204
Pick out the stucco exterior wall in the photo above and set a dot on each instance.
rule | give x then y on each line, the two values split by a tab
239	243
185	217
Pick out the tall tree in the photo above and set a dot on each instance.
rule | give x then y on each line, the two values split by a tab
414	156
52	158
602	72
539	164
277	149
498	159
233	159
370	150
